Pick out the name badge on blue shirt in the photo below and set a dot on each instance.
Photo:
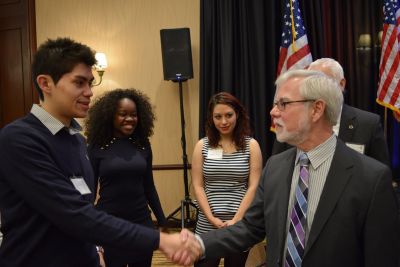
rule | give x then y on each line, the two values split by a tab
80	185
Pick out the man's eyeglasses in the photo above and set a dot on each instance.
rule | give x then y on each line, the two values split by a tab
281	104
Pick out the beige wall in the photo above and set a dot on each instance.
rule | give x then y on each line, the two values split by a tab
128	32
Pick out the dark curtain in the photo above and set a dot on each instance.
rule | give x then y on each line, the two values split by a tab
333	28
239	53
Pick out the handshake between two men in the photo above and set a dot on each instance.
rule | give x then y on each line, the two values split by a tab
183	249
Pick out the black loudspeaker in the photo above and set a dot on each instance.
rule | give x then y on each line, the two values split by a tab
176	54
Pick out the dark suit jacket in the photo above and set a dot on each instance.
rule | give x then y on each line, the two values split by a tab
358	127
355	222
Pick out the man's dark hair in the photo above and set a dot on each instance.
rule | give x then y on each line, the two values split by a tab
58	57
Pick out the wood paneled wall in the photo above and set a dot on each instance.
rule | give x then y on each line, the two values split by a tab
128	32
17	43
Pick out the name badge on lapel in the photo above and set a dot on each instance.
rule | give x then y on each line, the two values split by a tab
357	147
80	185
215	153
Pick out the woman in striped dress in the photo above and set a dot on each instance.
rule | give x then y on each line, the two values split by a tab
226	167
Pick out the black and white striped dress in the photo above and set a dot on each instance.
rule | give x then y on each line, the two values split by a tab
225	184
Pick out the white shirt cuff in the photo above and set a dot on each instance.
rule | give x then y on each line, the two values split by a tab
203	248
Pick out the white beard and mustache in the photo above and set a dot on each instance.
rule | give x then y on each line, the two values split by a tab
296	136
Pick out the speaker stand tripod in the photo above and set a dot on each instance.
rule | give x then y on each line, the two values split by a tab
186	203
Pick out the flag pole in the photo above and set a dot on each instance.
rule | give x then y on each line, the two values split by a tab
385	124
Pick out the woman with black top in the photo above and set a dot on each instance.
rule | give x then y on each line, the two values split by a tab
118	129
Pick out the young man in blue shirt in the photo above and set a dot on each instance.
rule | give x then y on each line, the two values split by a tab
46	181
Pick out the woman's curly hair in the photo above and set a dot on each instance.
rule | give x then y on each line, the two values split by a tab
242	128
99	124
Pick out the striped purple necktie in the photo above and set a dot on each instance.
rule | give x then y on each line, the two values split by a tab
298	217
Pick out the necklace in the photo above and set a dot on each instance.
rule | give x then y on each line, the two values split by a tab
228	147
115	139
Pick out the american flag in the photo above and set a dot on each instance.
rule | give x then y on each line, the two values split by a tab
294	52
389	69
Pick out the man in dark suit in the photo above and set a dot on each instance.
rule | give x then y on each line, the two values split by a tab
319	203
359	129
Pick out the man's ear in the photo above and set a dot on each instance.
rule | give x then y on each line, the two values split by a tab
342	84
318	109
45	83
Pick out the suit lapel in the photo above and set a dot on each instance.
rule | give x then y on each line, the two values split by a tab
336	181
348	124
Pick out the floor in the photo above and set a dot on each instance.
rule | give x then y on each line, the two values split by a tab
256	258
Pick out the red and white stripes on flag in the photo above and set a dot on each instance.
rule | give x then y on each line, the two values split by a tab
389	69
294	52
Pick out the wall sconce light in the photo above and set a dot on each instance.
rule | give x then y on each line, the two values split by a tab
364	41
100	67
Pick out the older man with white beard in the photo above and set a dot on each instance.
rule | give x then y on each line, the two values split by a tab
319	203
